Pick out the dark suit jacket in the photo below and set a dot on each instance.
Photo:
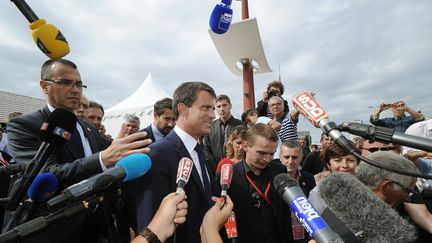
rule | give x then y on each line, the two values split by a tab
239	193
67	162
149	132
161	180
214	144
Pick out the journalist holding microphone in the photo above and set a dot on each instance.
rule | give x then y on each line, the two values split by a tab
79	158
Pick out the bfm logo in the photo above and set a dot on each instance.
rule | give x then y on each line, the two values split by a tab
309	107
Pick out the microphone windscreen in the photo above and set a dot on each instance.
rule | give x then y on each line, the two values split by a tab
363	212
43	187
226	174
220	19
135	166
58	127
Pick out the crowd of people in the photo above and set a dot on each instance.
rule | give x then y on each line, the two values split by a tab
259	146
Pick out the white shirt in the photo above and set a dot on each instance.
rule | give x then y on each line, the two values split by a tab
190	143
420	129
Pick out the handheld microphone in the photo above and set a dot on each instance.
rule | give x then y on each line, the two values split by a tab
306	104
55	132
292	194
220	18
12	169
360	210
225	179
231	227
43	188
129	168
385	134
46	36
184	171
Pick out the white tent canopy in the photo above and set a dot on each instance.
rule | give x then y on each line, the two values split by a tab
140	103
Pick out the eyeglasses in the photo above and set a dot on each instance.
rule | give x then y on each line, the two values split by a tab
67	83
408	190
276	104
374	149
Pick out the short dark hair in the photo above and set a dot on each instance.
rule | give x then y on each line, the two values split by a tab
94	104
160	105
334	151
223	97
247	113
263	130
276	84
187	92
46	70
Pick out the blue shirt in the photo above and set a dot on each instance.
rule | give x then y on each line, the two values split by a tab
399	124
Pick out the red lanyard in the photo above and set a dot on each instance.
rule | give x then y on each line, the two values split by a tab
259	191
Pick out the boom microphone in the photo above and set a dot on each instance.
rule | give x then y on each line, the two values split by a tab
387	135
306	104
55	132
220	18
129	168
367	216
225	179
46	36
292	194
184	171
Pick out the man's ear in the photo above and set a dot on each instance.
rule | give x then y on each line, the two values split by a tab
44	86
182	109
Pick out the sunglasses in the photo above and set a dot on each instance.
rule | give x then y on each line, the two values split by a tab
374	149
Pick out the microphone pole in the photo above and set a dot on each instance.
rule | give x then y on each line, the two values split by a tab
24	231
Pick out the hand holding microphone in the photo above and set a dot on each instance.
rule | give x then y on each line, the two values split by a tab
46	36
221	17
215	218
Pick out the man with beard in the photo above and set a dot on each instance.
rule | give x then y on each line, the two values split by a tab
163	120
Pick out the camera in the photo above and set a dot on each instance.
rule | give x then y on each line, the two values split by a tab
272	93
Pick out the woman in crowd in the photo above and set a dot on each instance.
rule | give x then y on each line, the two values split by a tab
234	147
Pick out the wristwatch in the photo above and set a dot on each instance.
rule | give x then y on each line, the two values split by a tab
149	236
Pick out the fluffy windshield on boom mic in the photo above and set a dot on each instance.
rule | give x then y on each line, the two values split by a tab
59	127
367	216
220	18
43	187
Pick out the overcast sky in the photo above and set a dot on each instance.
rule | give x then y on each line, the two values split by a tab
352	54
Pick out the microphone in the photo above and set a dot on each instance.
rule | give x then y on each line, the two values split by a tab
129	168
46	36
220	18
225	179
184	171
367	216
12	169
306	104
55	132
292	194
387	135
231	227
43	188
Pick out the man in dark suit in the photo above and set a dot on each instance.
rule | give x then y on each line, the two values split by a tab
193	105
80	158
261	214
163	120
220	130
291	155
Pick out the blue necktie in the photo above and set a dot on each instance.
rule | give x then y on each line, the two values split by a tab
205	179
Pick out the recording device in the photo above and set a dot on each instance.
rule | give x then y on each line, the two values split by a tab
46	36
184	171
225	179
43	188
220	18
12	169
39	224
306	104
231	227
55	132
387	135
367	216
313	223
272	93
129	168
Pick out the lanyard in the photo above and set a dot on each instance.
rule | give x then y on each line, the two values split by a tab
259	191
